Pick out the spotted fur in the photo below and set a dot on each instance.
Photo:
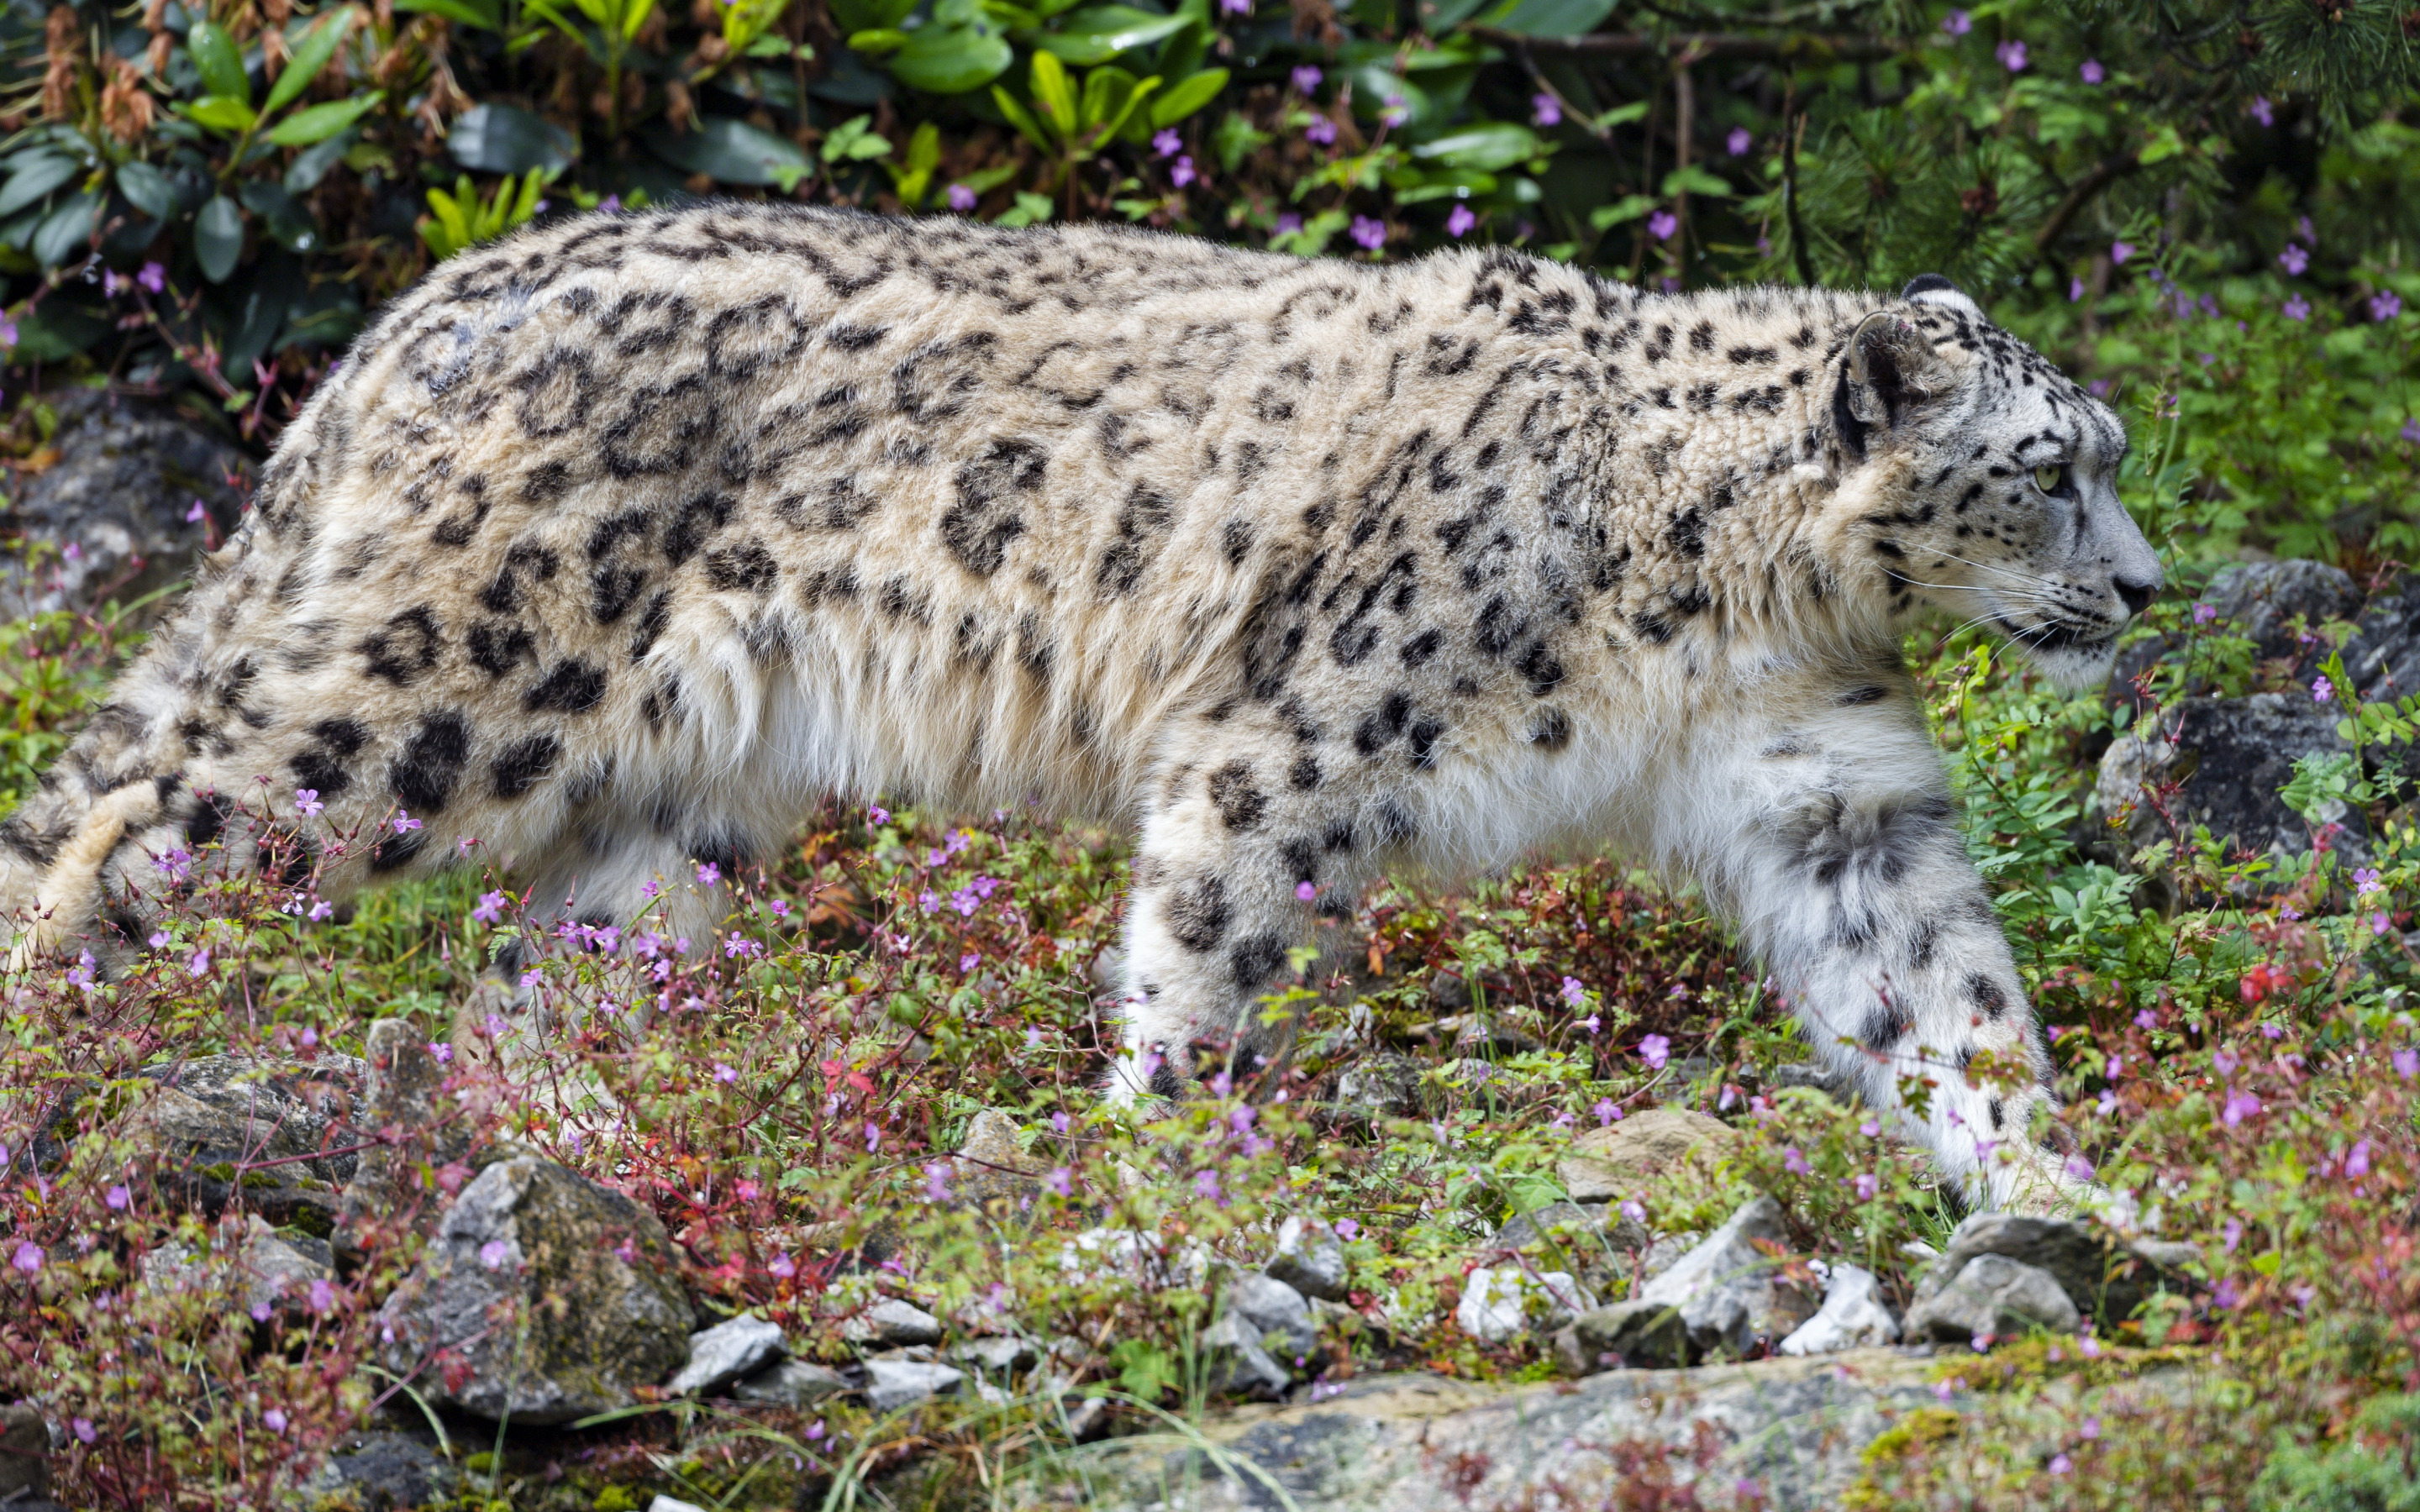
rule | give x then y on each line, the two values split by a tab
618	543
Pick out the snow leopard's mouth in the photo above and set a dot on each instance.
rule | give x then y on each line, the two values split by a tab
2059	635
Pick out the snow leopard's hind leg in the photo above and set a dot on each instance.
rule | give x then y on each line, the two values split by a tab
1823	818
1239	851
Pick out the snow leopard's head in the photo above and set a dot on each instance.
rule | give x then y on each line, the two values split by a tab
1994	482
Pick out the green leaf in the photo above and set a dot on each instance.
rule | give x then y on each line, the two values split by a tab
144	187
1018	117
66	231
311	55
871	15
1031	210
1106	92
1100	33
951	60
487	15
218	237
855	141
730	150
54	330
505	139
1549	18
879	41
316	123
220	113
1629	208
221	64
37	174
1054	96
1496	145
1694	181
1187	96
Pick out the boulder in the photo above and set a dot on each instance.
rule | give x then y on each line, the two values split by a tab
2262	599
404	1105
995	1355
551	1298
2230	757
1383	1086
1993	1297
1727	1288
893	1322
722	1354
892	1384
991	1165
238	1128
2383	655
1597	1242
1238	1365
1311	1259
1500	1303
1615	1162
1628	1334
1853	1316
273	1271
122	476
1278	1315
789	1383
381	1472
24	1455
2105	1275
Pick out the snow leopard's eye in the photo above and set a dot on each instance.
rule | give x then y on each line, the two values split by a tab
2051	478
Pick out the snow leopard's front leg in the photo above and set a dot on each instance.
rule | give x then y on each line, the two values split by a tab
1823	817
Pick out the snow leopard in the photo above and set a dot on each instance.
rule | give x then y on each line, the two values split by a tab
619	544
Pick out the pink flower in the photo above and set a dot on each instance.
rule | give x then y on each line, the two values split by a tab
1739	141
1346	1228
118	1197
2092	71
1320	131
153	277
1662	224
2296	308
2079	1167
873	1137
2205	613
1372	235
2240	1106
1792	1162
2060	1464
2385	305
494	1253
1573	992
724	1074
85	1431
1060	1181
491	910
1655	1050
2013	56
1958	23
1235	7
781	1265
1166	143
198	514
961	199
1545	109
2323	691
441	1051
2407	1063
200	963
28	1257
936	1180
1867	1185
2230	1236
2357	1159
1182	173
969	962
708	873
1305	892
2294	259
2120	252
404	823
1459	221
1205	1183
1607	1110
1305	78
322	1297
878	814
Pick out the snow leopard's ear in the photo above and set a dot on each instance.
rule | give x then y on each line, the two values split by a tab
1893	371
1931	288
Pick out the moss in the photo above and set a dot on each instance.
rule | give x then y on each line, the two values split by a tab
2030	1362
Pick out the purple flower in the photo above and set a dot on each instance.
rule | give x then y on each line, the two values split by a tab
1305	891
273	1420
322	1297
2240	1106
491	910
872	1136
2074	291
961	199
321	909
1573	992
404	823
494	1253
708	873
969	962
28	1257
1739	142
1182	173
1634	1211
199	963
2407	1063
936	1180
724	1074
781	1265
2385	305
1289	224
1792	1162
1396	112
175	865
2323	691
2357	1159
2296	308
1871	1129
118	1197
1166	143
2120	252
1206	1184
152	276
2092	71
2364	882
1060	1181
2060	1464
1234	8
878	814
84	1431
1958	23
1320	131
1868	1184
1662	224
2294	259
1371	234
198	514
1306	78
2262	111
1655	1050
1459	221
1545	109
2011	55
1607	1110
2225	1295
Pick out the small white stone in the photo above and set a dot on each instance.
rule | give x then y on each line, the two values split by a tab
669	1504
892	1384
723	1353
1853	1315
1497	1304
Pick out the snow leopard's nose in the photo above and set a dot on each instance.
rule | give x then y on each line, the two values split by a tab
2136	594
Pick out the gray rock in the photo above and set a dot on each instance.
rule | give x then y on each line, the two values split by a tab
1279	1318
892	1384
894	1322
1311	1259
381	1472
127	474
1626	1336
272	1270
1383	1086
722	1354
24	1455
224	1124
1615	1162
1814	1078
997	1354
559	1294
1500	1303
790	1383
1385	1443
2229	759
2261	598
1996	1297
992	1164
2383	657
1595	1241
403	1103
1853	1316
2104	1273
1238	1366
1725	1289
